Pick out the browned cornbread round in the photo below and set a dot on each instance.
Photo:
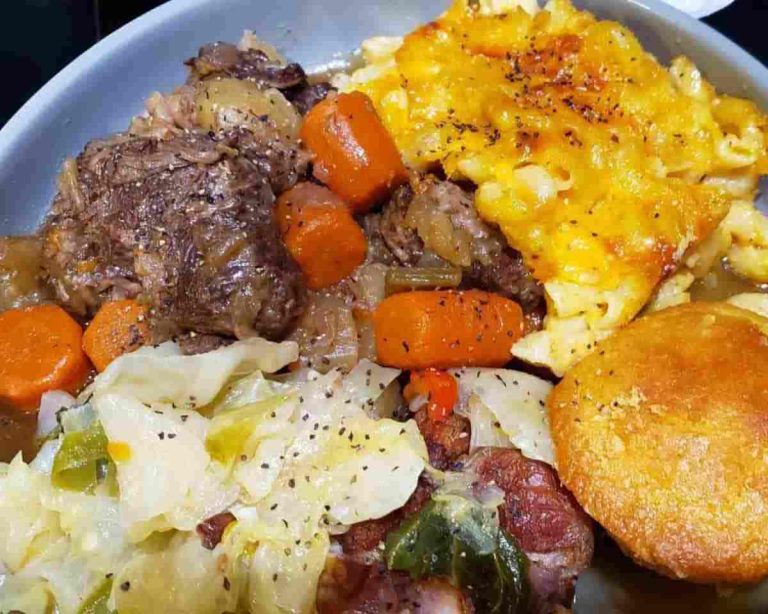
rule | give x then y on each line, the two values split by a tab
662	436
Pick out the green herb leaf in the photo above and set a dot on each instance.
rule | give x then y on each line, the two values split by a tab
82	462
459	539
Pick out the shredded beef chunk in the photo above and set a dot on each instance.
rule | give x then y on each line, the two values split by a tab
212	529
505	273
447	441
219	60
438	218
187	222
350	587
402	239
193	343
226	60
553	531
306	95
378	250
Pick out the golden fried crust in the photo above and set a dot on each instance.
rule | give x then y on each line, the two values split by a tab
662	436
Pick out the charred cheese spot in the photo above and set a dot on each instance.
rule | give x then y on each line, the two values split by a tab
588	154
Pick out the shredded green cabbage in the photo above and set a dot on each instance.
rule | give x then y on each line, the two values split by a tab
165	442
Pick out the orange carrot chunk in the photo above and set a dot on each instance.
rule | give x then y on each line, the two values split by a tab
320	233
39	351
439	387
117	328
444	329
353	152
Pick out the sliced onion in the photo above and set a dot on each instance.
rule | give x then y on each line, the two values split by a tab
327	334
43	462
50	403
230	103
369	285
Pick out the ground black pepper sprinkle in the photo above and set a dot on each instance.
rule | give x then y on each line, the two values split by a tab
125	586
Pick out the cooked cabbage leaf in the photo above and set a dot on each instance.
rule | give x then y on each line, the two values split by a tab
247	391
97	601
65	541
159	375
230	431
294	460
26	595
182	578
165	475
24	520
460	539
485	428
517	401
335	466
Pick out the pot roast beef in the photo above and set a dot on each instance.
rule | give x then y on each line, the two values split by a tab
348	586
553	531
219	60
549	526
437	218
187	223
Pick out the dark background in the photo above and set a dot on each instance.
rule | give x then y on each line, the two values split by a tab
39	37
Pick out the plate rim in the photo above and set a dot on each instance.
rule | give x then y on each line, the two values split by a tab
25	118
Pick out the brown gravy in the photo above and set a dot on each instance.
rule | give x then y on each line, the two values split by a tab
17	433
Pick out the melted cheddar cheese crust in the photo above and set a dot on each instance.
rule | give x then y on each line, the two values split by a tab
600	166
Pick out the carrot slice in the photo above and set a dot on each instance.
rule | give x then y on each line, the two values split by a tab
439	387
117	328
39	351
443	329
320	233
353	152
